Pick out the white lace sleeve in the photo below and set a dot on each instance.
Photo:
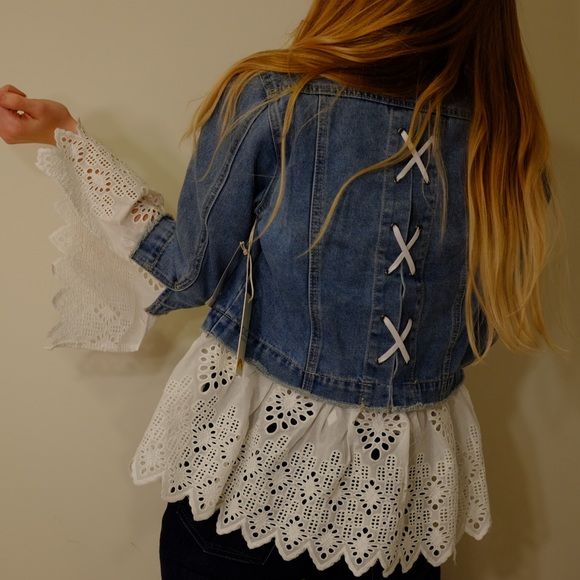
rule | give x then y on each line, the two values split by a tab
107	210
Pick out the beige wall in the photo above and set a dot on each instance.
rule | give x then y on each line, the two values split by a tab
70	420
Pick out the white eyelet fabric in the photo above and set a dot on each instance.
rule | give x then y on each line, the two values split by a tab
334	480
337	481
107	209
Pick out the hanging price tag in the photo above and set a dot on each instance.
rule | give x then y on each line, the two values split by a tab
247	308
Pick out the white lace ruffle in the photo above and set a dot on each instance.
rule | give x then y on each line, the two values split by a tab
107	210
335	480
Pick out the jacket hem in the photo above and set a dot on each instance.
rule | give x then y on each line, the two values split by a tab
341	391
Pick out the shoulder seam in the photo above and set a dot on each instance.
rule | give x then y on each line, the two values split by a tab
267	82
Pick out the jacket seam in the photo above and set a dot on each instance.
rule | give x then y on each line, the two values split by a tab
284	383
325	376
275	120
259	206
313	354
379	272
206	215
321	85
214	192
456	325
447	111
260	339
151	267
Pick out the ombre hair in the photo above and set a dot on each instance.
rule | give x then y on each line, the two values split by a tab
423	49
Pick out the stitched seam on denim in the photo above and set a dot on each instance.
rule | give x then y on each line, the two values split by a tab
442	383
261	340
160	301
327	378
318	87
143	240
426	234
195	272
321	85
145	236
274	113
151	226
269	82
407	217
456	325
206	212
151	267
414	406
274	129
379	275
313	353
431	167
265	195
322	399
352	94
292	362
391	241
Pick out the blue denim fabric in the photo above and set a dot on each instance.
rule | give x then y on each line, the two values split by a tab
318	321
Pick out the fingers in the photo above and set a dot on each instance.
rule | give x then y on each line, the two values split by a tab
16	102
11	88
24	120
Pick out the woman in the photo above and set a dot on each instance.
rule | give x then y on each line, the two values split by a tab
374	220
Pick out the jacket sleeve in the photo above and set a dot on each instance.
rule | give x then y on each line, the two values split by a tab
217	204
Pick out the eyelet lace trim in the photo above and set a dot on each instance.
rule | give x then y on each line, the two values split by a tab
107	209
333	480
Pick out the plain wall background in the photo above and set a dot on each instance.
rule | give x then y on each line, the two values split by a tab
71	420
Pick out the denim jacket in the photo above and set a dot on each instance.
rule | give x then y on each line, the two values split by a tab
374	314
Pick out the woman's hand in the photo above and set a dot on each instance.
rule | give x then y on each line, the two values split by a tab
24	120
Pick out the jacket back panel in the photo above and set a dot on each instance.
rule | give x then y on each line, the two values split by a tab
374	314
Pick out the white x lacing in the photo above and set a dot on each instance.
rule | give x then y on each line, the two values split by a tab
405	248
399	338
416	157
405	254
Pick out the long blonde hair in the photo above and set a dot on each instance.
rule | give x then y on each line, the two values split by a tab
423	49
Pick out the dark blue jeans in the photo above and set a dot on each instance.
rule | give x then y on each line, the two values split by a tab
191	550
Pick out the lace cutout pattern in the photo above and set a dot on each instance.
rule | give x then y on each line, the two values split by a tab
215	367
287	409
378	432
107	210
146	208
333	480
